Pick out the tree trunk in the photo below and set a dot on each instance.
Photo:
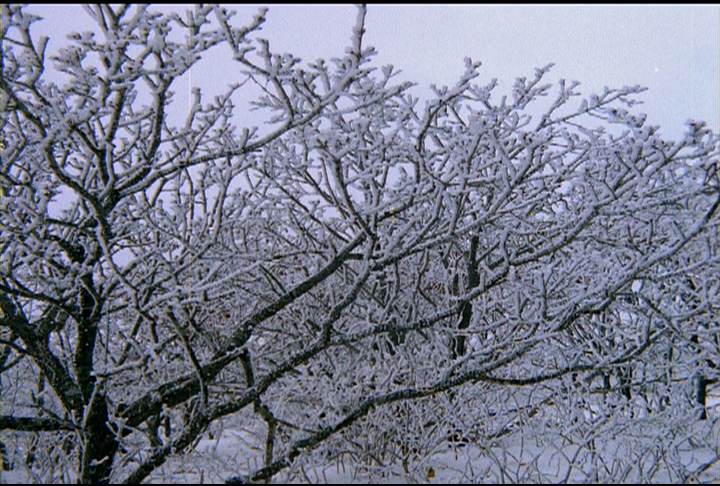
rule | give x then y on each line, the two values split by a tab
458	345
701	384
100	444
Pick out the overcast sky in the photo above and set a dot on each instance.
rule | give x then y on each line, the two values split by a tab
673	50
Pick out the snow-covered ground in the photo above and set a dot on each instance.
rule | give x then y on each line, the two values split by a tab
524	456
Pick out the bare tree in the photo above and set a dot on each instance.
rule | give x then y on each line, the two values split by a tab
358	265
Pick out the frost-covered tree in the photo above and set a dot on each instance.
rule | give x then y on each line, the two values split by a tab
363	277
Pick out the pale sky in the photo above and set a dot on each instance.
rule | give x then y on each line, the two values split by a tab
674	50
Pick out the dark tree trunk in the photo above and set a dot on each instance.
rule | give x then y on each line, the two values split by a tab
701	384
100	445
459	345
99	442
665	397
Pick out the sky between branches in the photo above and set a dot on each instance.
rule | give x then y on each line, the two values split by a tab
674	50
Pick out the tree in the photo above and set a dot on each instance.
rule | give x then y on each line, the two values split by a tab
359	264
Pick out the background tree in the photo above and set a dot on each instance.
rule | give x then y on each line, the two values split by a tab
360	266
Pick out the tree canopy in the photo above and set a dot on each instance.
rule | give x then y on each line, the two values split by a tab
362	275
